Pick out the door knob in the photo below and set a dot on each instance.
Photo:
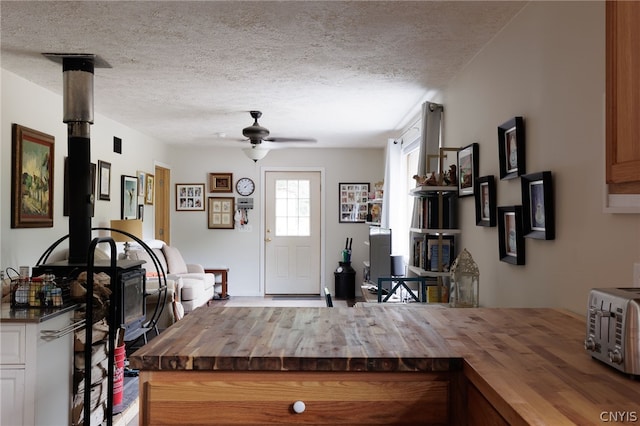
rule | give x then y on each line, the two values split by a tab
267	239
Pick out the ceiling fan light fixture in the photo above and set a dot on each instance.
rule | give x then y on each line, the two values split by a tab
255	152
255	131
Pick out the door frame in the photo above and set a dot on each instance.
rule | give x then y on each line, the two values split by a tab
263	210
168	204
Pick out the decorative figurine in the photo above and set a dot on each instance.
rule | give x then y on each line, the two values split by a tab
451	177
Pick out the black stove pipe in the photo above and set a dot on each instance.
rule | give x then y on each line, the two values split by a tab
78	114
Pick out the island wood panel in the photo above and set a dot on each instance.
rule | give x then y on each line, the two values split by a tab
480	412
531	366
300	339
246	398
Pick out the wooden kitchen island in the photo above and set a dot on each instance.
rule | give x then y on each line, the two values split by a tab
412	364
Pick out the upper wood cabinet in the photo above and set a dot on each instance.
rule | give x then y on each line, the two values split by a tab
623	96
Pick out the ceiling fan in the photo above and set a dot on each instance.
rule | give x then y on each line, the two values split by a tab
256	133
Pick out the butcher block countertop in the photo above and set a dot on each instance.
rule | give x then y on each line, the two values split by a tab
532	366
529	363
298	339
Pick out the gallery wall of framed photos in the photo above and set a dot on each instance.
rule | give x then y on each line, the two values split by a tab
534	217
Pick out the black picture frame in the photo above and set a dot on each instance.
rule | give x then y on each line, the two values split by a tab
511	148
511	240
467	170
104	180
486	201
353	198
538	219
128	197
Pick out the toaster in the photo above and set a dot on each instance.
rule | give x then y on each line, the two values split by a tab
613	328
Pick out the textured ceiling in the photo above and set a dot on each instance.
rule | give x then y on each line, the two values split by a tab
345	73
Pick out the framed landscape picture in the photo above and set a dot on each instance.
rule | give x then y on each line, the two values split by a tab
221	211
189	197
31	178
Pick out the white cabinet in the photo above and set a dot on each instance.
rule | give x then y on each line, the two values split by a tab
35	372
12	391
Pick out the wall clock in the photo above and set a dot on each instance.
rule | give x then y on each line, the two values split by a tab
245	186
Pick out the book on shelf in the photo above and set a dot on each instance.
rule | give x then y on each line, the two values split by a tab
428	212
434	257
426	252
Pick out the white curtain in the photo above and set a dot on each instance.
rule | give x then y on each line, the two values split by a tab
429	145
392	179
394	215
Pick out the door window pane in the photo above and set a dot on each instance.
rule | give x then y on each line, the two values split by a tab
293	207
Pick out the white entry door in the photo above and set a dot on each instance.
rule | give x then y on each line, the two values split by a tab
292	232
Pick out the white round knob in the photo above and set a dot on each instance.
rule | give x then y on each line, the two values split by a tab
299	407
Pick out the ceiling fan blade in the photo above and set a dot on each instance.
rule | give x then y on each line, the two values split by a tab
276	139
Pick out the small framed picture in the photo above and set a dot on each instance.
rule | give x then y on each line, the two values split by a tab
511	148
220	182
485	201
353	202
467	170
142	180
221	212
104	180
149	188
537	204
189	197
511	240
129	197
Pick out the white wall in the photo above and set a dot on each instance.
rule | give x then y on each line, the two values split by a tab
32	106
547	65
240	250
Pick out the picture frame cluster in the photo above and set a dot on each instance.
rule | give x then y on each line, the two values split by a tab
534	218
220	210
32	185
